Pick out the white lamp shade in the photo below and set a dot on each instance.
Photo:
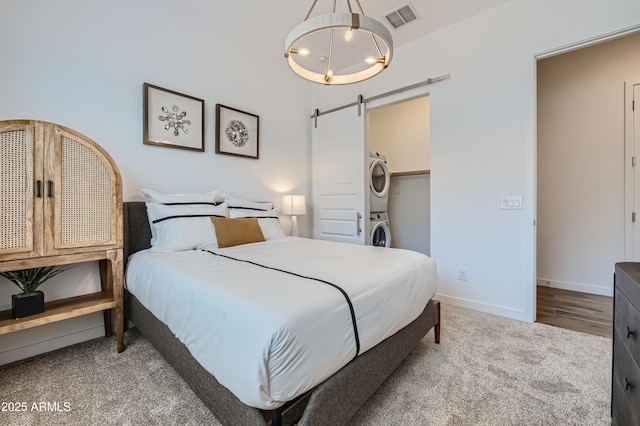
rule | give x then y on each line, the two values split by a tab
294	204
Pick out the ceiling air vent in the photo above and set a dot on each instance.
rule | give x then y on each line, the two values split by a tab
402	16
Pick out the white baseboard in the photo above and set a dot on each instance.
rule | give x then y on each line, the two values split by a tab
484	307
583	288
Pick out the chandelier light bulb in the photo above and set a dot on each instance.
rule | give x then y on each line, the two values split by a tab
348	35
303	51
327	76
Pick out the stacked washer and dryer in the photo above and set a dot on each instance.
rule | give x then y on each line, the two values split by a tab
379	184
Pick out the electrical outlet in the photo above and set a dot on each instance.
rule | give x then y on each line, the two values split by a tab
462	274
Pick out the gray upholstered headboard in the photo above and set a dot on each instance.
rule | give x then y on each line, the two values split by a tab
137	234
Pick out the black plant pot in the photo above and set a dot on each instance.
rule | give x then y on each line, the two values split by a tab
23	305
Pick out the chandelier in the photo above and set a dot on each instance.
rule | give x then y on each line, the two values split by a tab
338	48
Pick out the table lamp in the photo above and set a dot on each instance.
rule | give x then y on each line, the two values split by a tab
294	205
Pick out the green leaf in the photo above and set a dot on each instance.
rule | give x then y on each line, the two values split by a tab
28	280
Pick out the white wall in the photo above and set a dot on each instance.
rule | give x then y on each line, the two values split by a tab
483	141
82	64
581	164
410	212
401	131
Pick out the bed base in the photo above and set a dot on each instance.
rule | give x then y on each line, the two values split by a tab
333	402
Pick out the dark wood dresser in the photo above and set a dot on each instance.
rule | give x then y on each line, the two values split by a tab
625	383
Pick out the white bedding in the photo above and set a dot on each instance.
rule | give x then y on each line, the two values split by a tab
269	336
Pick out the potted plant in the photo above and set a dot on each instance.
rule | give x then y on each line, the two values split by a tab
31	300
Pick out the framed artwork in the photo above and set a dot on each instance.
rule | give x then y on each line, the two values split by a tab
237	132
173	119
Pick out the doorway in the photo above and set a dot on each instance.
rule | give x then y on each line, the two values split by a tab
580	169
632	174
401	131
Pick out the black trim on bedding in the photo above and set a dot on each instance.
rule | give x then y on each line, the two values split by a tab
337	287
256	217
180	216
188	203
248	208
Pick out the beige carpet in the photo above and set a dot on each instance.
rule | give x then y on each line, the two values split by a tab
488	370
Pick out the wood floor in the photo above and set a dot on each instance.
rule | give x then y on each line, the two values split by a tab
588	313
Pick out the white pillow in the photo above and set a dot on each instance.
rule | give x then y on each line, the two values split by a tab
248	204
268	220
152	196
183	226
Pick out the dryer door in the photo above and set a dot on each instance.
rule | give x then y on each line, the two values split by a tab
380	235
380	178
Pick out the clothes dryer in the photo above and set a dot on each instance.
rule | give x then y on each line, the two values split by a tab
379	182
380	235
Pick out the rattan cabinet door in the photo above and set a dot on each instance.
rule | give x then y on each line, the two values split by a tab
21	190
82	194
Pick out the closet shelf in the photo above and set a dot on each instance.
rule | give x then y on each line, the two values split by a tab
412	173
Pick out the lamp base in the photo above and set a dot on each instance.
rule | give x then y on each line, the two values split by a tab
294	226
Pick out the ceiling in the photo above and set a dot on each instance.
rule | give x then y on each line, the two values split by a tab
432	14
232	17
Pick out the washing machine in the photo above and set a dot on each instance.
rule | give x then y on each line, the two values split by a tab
379	182
379	230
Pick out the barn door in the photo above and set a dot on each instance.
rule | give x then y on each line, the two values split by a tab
339	154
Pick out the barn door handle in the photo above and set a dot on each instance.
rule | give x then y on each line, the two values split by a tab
358	227
38	189
49	186
630	333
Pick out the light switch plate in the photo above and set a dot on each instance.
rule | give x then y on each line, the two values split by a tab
513	202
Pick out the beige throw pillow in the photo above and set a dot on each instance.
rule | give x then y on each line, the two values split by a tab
233	232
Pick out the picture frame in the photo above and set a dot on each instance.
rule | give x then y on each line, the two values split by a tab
173	119
237	132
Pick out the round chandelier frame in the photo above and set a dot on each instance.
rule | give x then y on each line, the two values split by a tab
380	37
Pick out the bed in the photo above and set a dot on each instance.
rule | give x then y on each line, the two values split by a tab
350	365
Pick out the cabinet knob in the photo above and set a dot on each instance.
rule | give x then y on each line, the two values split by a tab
628	384
630	333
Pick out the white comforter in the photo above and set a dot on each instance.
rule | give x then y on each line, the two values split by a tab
270	336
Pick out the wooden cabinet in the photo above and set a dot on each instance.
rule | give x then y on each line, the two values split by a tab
60	203
60	192
625	385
